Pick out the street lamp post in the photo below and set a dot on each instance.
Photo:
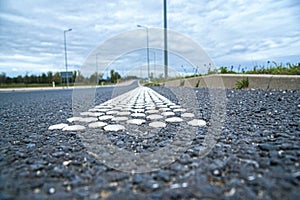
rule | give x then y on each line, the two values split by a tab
140	26
165	40
66	62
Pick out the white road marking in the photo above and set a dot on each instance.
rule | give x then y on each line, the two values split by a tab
197	122
132	107
114	127
74	128
57	126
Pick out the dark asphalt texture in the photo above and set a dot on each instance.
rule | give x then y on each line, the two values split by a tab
256	155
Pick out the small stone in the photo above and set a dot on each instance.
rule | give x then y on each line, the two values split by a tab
216	172
37	190
184	185
114	127
197	122
251	178
57	126
175	186
66	163
58	153
155	185
51	190
281	153
231	192
267	147
30	145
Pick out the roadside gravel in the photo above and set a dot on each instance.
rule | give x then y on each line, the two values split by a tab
256	155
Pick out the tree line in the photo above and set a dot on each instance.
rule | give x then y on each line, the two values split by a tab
49	77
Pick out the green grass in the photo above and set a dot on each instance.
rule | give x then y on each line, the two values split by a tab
22	85
274	69
242	84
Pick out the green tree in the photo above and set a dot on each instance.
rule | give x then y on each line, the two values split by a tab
2	78
79	77
19	79
43	78
57	78
112	76
50	76
94	78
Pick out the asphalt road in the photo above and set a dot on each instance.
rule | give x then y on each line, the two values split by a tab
256	155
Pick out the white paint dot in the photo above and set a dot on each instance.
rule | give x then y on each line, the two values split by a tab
197	122
154	117
112	112
174	119
117	108
103	107
179	110
138	115
123	113
175	107
157	124
74	119
152	111
137	110
136	121
164	109
162	106
188	115
97	124
92	114
105	117
57	126
73	128
117	119
114	127
168	114
88	119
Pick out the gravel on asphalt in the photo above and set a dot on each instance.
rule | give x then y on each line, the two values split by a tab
256	155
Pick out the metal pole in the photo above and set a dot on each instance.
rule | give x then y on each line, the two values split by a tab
148	54
66	59
165	40
140	26
154	64
97	69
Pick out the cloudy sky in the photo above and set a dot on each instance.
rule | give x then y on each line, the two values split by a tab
231	32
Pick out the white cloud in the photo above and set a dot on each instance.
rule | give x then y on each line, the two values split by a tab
229	30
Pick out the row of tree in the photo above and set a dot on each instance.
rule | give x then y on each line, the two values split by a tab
49	77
